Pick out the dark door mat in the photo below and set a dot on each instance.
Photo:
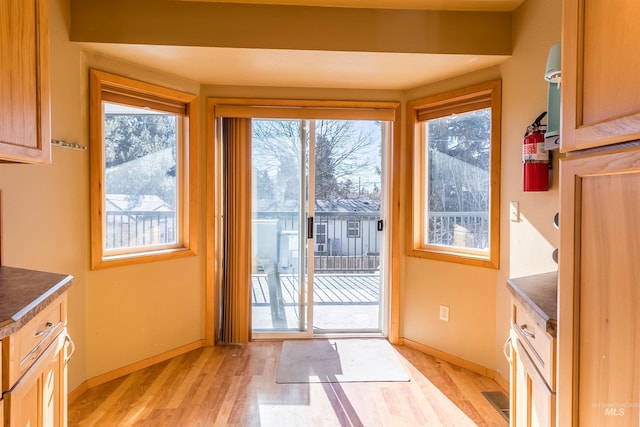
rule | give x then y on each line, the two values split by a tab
499	401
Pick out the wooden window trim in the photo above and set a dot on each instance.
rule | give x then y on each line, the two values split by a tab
479	96
112	88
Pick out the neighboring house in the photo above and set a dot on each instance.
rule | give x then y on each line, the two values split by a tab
137	220
345	233
145	216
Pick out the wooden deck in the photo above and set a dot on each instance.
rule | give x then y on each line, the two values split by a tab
329	289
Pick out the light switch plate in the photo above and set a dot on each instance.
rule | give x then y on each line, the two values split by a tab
444	313
514	211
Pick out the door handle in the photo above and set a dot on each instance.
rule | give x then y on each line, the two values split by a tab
310	227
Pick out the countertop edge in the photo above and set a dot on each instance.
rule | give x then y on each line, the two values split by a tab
25	314
549	283
52	293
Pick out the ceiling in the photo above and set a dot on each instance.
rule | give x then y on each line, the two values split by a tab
298	68
312	68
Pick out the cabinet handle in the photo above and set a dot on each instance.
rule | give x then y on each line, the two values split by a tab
68	339
525	332
47	329
506	345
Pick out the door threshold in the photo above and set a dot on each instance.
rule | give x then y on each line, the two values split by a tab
336	335
328	335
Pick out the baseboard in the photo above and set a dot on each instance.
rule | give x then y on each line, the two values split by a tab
501	381
77	392
126	370
450	358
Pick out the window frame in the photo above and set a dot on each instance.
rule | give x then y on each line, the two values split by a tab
107	87
459	101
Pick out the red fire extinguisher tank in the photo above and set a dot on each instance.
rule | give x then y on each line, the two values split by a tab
535	162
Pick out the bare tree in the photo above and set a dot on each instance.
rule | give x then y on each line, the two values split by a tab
342	151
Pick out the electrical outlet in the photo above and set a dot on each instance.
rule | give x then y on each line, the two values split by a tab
444	313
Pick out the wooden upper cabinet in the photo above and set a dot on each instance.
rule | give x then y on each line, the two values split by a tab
25	127
600	86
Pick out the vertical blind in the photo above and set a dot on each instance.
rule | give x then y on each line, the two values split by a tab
236	280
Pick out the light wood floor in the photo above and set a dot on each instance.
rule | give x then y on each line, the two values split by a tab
235	385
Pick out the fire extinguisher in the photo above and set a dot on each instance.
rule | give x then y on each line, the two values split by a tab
535	159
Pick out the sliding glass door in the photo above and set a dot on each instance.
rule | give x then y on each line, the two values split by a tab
317	231
278	231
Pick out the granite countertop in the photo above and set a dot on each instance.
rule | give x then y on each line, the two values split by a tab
539	293
24	293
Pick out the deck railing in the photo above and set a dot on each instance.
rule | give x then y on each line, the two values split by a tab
463	229
344	242
139	228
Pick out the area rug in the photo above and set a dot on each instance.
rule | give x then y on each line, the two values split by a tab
338	361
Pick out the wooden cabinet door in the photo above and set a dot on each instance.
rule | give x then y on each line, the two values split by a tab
521	390
600	90
535	403
25	128
599	298
517	387
38	398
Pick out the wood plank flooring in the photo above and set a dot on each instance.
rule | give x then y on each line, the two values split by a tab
235	386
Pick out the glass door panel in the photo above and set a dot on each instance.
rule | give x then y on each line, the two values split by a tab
348	186
278	235
316	244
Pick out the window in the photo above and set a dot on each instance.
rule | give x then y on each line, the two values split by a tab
353	228
321	237
143	172
456	176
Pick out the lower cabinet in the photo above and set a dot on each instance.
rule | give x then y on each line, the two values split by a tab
34	369
1	397
530	350
39	398
532	402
